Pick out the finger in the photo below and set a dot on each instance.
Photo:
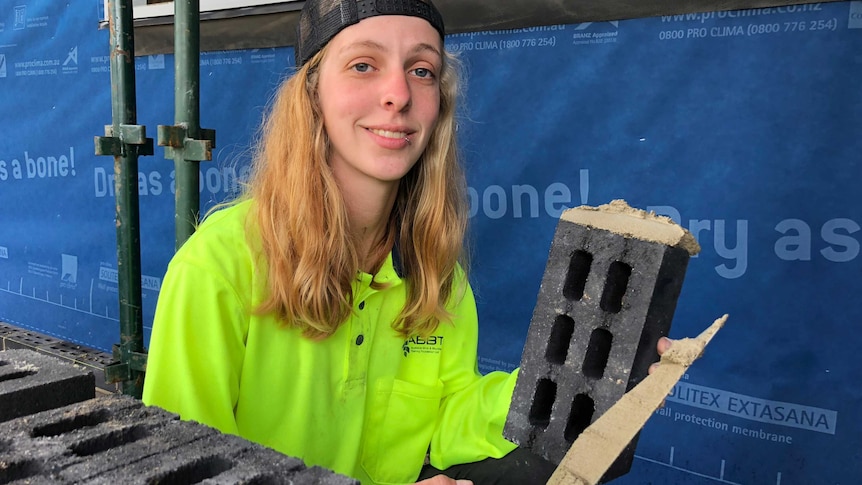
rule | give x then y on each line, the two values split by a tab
663	345
653	367
443	480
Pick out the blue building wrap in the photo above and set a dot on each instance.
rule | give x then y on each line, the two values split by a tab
744	126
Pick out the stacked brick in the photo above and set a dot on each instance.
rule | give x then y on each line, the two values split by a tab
31	382
608	293
116	439
93	360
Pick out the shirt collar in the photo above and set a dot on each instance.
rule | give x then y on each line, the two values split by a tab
390	272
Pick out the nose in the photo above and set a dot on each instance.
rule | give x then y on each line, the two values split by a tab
396	93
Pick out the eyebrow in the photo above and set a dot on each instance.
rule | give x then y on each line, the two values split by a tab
421	47
426	48
364	43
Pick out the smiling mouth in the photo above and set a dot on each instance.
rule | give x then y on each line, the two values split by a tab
389	134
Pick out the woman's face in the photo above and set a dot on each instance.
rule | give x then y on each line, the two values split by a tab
379	92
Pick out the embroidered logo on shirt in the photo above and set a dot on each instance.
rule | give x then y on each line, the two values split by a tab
423	345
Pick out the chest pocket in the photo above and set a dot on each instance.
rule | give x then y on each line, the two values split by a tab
398	430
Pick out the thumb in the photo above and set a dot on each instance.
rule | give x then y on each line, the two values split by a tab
463	482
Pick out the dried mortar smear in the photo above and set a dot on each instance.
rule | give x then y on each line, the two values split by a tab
619	218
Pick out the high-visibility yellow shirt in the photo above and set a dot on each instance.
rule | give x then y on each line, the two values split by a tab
363	402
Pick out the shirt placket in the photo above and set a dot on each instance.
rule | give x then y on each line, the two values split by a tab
359	339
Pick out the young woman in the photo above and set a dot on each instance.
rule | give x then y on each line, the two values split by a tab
325	313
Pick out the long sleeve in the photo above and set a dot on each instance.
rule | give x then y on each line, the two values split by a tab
196	357
474	408
198	342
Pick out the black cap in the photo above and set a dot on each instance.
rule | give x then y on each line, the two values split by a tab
320	20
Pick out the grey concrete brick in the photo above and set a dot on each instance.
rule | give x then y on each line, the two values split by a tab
261	465
31	382
257	464
145	434
604	302
222	459
36	480
116	439
12	337
320	476
63	438
207	457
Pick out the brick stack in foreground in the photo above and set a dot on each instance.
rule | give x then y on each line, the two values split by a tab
93	360
116	439
31	382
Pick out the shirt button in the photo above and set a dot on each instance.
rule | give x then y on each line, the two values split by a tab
361	305
360	339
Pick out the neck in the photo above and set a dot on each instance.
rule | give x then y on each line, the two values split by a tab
369	207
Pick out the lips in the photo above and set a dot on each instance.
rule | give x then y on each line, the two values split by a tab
388	133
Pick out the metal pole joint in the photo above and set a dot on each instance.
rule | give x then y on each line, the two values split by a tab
179	146
132	139
126	366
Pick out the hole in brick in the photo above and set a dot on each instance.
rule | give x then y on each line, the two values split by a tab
194	472
3	362
615	287
576	277
543	402
4	445
18	470
107	441
70	424
17	375
580	416
561	335
598	351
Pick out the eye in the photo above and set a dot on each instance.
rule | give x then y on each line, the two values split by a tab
423	73
361	67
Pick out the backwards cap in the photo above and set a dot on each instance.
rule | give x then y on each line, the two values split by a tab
320	20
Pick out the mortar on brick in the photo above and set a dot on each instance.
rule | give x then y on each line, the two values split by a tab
618	217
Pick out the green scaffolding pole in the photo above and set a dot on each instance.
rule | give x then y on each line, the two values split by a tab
126	141
186	142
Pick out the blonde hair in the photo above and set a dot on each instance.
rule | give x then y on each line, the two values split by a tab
311	259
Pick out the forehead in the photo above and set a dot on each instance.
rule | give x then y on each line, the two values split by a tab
388	32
